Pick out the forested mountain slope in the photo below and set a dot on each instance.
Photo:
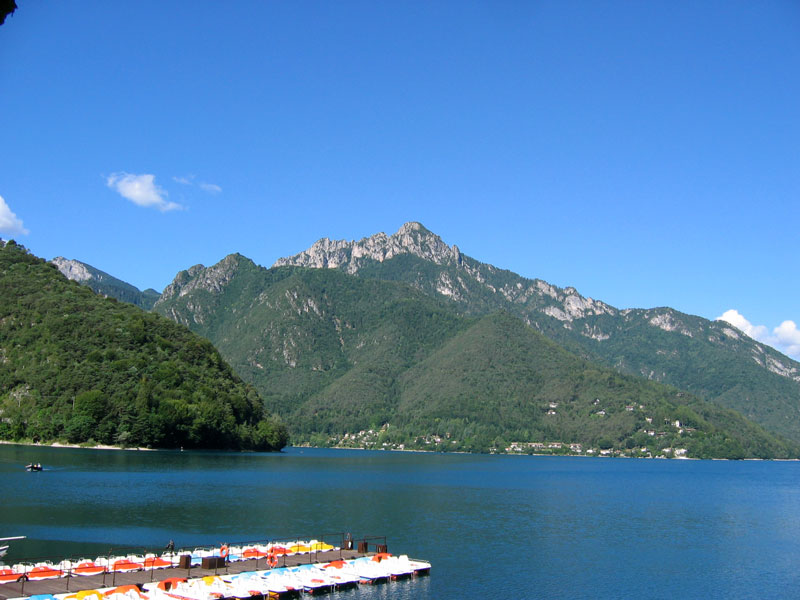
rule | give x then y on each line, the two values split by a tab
335	355
78	367
711	359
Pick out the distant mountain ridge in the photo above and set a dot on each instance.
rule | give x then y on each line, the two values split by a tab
337	356
414	241
105	284
709	358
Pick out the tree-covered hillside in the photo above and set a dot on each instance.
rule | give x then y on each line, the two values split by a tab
293	332
337	355
78	367
500	382
710	359
706	358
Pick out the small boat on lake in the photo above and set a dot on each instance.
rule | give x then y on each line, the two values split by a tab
87	567
129	563
4	548
82	595
44	571
125	592
34	467
151	561
8	575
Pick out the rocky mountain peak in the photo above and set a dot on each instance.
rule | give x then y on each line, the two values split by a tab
104	284
413	226
411	238
72	269
212	279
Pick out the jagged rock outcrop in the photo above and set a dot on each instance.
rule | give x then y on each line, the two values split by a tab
458	276
211	279
412	238
73	269
105	284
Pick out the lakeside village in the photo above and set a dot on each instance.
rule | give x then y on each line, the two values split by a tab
381	439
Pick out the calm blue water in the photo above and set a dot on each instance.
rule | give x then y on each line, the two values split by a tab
493	526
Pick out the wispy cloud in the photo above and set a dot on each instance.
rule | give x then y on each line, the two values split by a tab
141	190
785	337
9	222
210	188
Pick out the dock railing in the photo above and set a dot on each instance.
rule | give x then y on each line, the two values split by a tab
109	564
53	567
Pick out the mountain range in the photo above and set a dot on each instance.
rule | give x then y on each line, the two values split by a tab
405	335
711	359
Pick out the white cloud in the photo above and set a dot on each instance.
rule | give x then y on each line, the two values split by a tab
789	337
785	337
141	190
9	222
757	332
211	188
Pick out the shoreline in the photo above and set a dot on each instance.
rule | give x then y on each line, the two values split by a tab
410	450
549	455
79	446
130	449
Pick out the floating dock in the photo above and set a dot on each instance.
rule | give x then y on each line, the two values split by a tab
242	571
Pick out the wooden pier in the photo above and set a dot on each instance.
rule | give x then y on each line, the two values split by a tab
77	583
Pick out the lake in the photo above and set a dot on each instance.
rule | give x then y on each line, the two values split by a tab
492	526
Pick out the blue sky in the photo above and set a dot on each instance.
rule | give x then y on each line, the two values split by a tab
646	153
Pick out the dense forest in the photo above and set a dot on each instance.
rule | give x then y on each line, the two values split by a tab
77	367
